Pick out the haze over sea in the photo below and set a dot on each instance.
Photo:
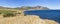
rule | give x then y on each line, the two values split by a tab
46	14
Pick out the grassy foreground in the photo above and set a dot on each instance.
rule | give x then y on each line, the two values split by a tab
8	13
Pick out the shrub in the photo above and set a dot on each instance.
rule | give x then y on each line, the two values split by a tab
0	12
9	15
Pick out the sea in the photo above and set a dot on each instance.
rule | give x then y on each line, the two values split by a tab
46	14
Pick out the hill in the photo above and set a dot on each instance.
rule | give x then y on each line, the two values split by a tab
27	8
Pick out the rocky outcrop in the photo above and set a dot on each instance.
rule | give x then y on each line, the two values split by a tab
30	19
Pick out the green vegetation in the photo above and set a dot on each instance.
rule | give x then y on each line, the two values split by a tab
8	13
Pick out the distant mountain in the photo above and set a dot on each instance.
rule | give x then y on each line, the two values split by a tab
34	8
1	7
27	8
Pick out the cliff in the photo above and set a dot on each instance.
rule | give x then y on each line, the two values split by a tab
28	19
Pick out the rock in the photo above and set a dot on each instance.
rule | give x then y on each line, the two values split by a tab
50	21
20	20
29	19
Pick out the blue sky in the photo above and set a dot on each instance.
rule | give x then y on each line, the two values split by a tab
52	4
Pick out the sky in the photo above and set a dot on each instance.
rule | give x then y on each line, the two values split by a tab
51	4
